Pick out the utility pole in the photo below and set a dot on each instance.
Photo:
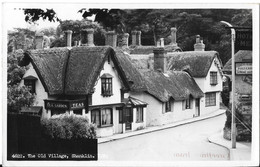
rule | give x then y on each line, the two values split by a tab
233	122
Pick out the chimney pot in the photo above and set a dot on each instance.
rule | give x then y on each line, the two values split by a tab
160	59
111	38
123	40
39	40
173	35
134	39
138	38
199	45
69	37
87	36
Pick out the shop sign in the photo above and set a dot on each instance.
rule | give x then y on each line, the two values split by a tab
243	68
77	105
243	39
56	105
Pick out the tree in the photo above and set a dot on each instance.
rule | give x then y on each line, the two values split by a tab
18	97
33	15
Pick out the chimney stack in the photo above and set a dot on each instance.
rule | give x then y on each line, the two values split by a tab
87	36
160	59
138	38
134	39
123	40
39	40
162	42
68	37
199	45
111	38
173	35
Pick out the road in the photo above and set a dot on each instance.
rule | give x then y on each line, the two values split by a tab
182	143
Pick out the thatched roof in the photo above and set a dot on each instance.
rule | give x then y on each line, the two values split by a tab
50	66
240	56
175	84
196	62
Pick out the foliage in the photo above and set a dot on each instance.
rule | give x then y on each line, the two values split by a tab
14	71
18	97
68	127
76	26
33	15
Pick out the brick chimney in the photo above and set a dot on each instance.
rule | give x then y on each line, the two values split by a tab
123	40
138	38
111	38
199	45
68	37
134	40
39	40
160	63
87	37
173	36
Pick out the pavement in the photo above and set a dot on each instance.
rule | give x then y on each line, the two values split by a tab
242	151
162	127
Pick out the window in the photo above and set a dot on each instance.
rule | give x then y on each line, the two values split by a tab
213	78
102	117
106	85
187	104
57	112
168	106
120	116
30	84
210	99
139	114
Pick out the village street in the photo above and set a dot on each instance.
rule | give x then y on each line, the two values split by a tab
183	143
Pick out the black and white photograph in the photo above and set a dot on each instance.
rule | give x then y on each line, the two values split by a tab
130	84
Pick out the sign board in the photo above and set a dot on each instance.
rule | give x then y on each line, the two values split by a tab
65	104
243	39
77	105
56	105
243	68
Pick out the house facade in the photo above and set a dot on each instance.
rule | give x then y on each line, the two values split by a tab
116	89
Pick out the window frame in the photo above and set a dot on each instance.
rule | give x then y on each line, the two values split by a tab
168	106
213	78
28	83
100	117
210	99
106	86
187	103
140	116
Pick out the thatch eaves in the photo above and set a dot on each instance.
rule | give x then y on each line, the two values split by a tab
50	66
197	63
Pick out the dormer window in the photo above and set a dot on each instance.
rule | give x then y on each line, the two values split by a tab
213	78
106	85
29	82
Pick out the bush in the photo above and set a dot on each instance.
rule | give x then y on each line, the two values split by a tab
68	126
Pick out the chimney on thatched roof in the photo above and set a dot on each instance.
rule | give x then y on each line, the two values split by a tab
111	38
199	45
123	40
87	37
160	59
39	40
68	37
138	38
173	36
134	40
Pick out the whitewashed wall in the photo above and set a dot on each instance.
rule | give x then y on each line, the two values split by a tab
97	98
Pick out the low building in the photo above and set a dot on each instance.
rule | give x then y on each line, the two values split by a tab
106	85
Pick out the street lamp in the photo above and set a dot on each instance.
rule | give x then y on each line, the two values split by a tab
233	123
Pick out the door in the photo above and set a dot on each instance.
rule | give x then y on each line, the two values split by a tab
197	107
128	118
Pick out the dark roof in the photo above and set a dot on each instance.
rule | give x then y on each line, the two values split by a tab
135	79
30	77
149	49
50	65
240	56
175	84
196	62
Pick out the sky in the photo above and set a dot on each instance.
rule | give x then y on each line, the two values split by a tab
14	17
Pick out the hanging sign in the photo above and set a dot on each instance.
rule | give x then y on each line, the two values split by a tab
243	39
